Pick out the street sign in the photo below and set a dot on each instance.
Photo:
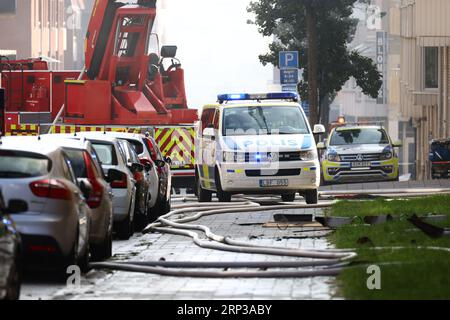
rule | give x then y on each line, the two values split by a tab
305	106
289	88
289	76
288	60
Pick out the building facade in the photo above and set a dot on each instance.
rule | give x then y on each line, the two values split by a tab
51	29
424	29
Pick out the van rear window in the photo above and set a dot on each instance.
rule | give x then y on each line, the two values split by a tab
20	164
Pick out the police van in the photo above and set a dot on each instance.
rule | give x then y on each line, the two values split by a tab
257	144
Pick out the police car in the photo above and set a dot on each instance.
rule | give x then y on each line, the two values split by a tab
359	153
257	144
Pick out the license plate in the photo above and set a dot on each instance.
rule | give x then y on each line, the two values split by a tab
361	164
273	183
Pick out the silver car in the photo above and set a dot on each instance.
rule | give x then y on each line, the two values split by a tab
86	165
55	228
123	184
151	170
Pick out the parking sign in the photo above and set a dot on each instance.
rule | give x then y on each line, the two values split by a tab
288	60
289	76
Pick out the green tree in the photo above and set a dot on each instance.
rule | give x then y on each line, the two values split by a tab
320	30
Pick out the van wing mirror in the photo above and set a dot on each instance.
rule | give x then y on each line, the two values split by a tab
321	146
319	129
397	144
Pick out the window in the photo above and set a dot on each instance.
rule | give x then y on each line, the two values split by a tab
345	136
76	158
105	153
8	7
18	164
263	120
431	68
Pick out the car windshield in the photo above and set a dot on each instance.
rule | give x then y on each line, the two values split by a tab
263	120
106	153
17	164
359	136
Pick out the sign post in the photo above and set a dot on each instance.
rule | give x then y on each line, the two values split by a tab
288	62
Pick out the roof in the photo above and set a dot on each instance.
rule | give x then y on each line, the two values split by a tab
28	143
125	135
247	103
355	127
66	141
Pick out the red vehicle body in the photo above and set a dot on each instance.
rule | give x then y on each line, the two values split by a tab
121	85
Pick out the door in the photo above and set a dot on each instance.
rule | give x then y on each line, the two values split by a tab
206	167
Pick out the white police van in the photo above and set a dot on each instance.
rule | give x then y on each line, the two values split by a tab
257	144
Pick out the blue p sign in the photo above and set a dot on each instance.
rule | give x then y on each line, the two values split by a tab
288	59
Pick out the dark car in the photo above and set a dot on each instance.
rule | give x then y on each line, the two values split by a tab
10	250
165	178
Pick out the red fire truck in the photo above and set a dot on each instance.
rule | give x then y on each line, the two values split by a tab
123	87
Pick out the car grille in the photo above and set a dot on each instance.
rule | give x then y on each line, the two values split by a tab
275	156
279	173
365	157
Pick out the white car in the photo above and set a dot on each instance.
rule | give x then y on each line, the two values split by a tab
123	184
151	173
55	228
257	144
86	165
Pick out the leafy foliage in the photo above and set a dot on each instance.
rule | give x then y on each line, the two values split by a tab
286	20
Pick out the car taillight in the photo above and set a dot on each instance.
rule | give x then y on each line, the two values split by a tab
96	195
51	188
120	184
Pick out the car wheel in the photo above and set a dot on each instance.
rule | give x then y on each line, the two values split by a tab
125	228
288	197
83	261
311	196
222	195
202	194
13	285
103	251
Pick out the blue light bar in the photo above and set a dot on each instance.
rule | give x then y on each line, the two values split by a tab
258	96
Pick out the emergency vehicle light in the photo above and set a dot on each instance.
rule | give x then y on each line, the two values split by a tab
263	96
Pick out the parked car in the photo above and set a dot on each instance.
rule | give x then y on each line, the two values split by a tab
163	203
151	170
10	250
359	153
123	184
86	165
55	227
142	181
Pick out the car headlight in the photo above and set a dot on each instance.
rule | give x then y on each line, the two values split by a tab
334	157
308	155
386	156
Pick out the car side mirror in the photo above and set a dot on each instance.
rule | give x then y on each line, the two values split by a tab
160	163
397	144
168	160
115	175
147	164
137	167
321	146
209	133
85	187
319	129
16	206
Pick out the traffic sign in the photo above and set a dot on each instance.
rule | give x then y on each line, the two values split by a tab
289	76
305	106
289	88
288	60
